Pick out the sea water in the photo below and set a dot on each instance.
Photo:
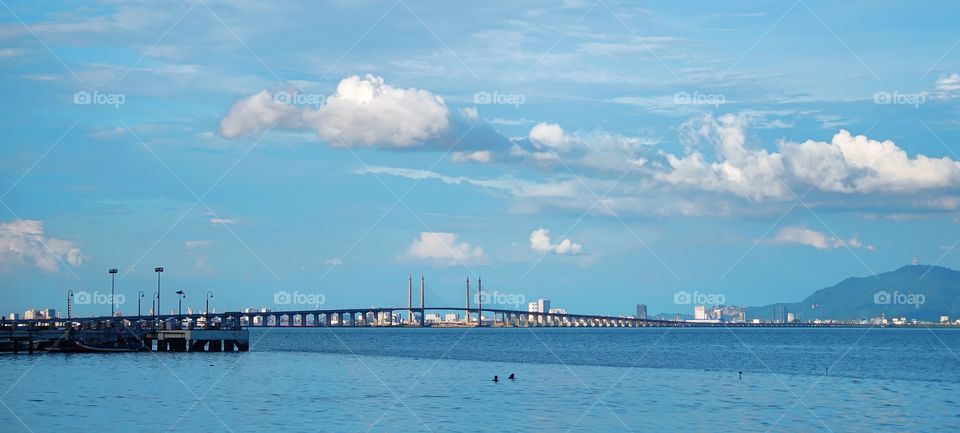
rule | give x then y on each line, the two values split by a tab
439	380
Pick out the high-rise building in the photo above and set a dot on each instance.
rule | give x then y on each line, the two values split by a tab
780	313
641	311
539	306
543	305
700	312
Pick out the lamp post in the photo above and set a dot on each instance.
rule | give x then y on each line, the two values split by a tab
158	270
153	303
139	297
180	303
113	296
206	313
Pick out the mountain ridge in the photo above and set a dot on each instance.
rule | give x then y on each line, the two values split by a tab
923	292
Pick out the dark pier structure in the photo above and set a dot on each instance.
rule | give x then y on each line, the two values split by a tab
171	333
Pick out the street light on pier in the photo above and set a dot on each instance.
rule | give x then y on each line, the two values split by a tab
139	297
209	295
180	303
113	296
153	303
158	270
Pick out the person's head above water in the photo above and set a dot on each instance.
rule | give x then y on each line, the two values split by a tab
512	376
495	378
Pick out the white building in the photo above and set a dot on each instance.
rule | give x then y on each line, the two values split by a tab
451	317
432	318
699	312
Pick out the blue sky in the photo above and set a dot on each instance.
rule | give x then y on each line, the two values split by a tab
600	154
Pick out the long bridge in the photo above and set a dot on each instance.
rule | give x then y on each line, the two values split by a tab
378	317
226	331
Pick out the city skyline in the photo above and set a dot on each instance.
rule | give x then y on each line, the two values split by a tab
599	155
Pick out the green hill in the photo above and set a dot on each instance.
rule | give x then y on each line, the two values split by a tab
917	292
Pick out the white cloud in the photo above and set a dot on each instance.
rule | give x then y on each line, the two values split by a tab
479	157
443	249
333	262
193	245
550	135
804	236
6	53
858	164
516	187
258	112
848	164
23	240
540	242
362	112
470	113
949	85
754	174
222	221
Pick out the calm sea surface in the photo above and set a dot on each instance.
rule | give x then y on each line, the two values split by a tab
577	380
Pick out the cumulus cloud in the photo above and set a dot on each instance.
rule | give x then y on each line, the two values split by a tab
222	221
550	135
796	235
752	173
847	164
479	157
361	112
540	242
333	262
24	241
858	164
443	249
